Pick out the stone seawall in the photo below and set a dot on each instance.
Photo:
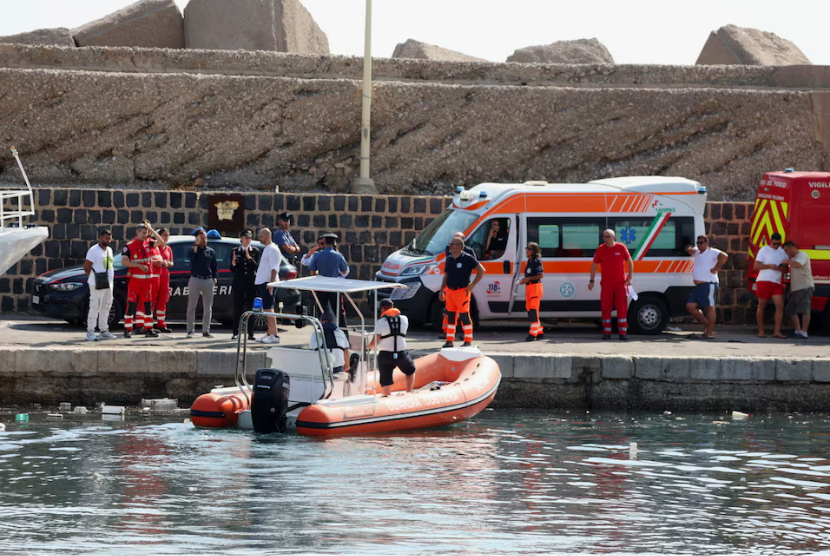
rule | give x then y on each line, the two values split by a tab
228	120
370	228
87	376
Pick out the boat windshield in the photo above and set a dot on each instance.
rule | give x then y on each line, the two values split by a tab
433	240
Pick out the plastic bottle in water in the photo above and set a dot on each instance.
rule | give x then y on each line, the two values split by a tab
258	304
21	417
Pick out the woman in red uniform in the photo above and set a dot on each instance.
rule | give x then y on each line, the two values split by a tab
163	294
533	289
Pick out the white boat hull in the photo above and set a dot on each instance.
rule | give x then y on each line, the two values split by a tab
16	242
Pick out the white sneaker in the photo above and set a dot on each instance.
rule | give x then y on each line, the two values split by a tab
262	340
90	337
107	336
271	340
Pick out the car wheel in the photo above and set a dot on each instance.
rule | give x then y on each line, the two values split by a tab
436	314
648	315
116	313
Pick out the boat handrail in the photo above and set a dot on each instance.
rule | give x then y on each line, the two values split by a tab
22	195
240	376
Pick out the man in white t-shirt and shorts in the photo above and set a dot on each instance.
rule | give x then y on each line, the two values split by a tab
704	297
768	284
802	288
268	271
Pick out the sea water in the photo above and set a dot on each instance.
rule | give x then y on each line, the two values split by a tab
508	482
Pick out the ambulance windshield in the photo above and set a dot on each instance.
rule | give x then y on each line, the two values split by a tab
434	239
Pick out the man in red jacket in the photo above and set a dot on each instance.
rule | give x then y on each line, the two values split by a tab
136	257
613	256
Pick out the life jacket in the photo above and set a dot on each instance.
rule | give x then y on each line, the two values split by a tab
393	317
329	329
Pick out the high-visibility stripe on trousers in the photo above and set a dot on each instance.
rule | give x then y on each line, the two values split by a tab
614	297
128	323
465	327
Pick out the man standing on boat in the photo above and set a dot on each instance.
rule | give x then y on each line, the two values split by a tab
332	264
456	289
337	343
390	334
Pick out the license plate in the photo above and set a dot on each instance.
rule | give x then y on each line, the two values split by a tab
36	299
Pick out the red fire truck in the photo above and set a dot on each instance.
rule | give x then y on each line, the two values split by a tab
797	206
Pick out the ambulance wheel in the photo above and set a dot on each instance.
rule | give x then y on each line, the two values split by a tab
648	315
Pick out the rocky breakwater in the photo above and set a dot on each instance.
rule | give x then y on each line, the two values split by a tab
256	120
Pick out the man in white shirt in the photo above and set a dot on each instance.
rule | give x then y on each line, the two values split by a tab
704	297
337	343
802	288
768	264
390	334
267	272
99	260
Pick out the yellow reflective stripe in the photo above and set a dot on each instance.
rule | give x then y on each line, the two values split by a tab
779	225
764	225
760	214
751	254
816	254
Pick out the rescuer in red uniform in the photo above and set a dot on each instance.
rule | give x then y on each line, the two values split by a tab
136	258
613	256
163	296
154	244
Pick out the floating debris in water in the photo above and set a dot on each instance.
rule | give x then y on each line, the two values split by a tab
740	415
80	410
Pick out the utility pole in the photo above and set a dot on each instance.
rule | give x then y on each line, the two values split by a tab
364	184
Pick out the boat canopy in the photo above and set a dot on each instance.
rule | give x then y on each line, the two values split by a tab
334	285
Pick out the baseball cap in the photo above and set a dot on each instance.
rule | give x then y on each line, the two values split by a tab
287	216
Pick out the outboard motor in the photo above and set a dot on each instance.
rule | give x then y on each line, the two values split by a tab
270	400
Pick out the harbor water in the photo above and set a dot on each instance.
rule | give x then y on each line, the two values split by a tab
508	482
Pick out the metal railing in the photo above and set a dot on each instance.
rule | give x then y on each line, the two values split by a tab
18	197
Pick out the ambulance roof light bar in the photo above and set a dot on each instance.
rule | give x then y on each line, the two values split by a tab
788	170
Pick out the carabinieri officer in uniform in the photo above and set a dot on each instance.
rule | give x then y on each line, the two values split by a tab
332	264
244	264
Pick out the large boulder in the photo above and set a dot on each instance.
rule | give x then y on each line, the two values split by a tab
422	51
60	37
739	45
580	51
148	23
278	25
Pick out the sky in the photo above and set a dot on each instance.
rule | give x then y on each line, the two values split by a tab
635	32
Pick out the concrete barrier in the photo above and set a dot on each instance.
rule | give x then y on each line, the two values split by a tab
554	381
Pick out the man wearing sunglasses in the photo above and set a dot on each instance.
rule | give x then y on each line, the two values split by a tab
769	265
708	261
613	257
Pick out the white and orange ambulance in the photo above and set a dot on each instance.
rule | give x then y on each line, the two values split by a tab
655	217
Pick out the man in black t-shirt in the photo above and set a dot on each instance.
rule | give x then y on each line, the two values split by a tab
456	288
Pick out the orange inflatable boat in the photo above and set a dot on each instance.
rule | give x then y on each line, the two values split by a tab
450	386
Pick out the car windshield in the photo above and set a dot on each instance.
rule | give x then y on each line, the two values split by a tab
434	239
116	262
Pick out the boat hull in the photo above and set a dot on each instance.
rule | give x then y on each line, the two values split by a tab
469	387
15	243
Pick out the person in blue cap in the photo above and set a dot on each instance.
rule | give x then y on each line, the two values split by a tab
332	264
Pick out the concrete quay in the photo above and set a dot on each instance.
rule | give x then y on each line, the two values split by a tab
47	362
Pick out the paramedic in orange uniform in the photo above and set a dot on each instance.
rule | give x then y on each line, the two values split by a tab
456	288
136	258
534	272
613	256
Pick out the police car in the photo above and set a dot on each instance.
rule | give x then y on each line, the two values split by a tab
64	293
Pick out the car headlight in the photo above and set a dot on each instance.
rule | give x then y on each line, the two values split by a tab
66	286
418	270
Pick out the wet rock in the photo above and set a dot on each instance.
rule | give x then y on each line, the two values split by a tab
422	51
277	25
580	51
60	37
740	45
148	23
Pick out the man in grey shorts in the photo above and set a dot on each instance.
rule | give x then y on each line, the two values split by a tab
802	288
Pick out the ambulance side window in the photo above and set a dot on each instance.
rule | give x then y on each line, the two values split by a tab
670	242
489	241
566	237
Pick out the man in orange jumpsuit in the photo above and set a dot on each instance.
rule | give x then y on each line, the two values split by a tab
613	256
136	258
456	288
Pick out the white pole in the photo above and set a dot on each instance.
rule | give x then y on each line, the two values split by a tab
364	183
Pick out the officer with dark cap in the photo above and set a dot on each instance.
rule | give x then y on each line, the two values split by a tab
244	265
332	264
282	237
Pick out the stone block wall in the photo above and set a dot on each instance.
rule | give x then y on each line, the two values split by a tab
370	227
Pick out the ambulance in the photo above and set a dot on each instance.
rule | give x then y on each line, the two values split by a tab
655	217
797	206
